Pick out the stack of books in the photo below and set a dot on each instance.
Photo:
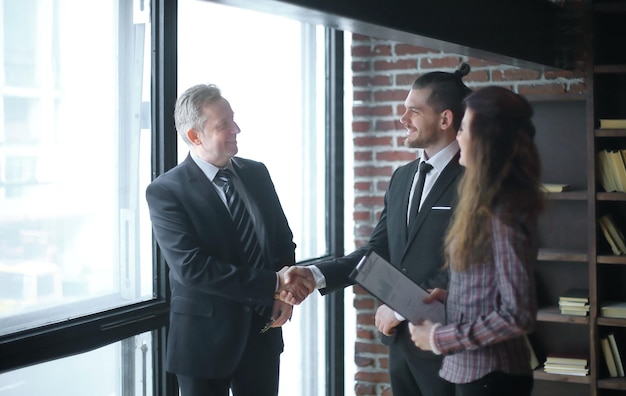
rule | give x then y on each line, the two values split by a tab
575	302
612	356
566	365
613	309
612	234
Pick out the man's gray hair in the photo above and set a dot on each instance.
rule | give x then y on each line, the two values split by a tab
188	113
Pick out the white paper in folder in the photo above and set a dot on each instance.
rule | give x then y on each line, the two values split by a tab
396	290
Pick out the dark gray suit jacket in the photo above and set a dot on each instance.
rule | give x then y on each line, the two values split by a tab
418	251
213	288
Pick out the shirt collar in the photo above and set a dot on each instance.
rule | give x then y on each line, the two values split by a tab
207	168
440	160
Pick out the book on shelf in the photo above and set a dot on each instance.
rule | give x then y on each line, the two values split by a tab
573	304
607	235
564	370
567	358
574	311
613	309
605	172
608	356
616	355
614	232
575	294
612	123
618	169
555	187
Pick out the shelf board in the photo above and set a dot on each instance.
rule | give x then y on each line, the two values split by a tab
567	195
614	322
562	255
542	375
609	69
611	196
612	132
611	259
618	383
552	314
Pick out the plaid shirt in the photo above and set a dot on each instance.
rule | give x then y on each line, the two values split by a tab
489	307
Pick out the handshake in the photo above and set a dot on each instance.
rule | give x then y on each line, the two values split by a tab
295	284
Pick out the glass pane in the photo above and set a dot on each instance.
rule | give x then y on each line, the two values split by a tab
123	368
74	159
274	81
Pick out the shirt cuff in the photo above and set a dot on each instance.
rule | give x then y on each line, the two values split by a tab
431	338
320	279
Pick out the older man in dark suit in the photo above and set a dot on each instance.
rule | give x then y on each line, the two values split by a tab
220	226
410	232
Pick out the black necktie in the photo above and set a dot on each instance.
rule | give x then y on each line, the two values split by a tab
242	220
424	168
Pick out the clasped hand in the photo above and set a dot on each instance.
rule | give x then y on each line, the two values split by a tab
295	284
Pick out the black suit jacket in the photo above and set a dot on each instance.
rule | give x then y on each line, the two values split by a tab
212	287
418	251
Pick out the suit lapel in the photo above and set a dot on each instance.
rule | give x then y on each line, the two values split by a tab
215	208
408	183
450	172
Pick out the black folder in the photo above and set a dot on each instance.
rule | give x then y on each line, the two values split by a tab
390	285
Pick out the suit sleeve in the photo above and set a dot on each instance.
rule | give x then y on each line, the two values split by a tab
337	271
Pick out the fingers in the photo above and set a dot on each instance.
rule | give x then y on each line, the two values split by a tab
386	320
420	334
436	294
281	312
295	284
302	275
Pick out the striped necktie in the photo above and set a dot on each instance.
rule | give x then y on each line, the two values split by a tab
242	220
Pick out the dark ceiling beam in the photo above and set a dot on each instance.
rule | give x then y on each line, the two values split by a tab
517	32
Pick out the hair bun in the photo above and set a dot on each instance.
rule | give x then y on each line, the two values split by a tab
463	70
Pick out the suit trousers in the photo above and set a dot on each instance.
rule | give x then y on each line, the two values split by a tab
414	372
256	374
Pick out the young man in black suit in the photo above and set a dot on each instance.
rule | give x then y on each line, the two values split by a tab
222	231
412	240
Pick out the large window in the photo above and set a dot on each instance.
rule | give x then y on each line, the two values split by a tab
74	163
86	96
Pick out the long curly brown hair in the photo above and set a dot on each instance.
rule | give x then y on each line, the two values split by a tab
504	174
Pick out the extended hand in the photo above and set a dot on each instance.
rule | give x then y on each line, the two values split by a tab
436	294
386	320
295	284
420	334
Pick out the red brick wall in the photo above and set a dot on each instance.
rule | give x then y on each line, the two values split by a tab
383	72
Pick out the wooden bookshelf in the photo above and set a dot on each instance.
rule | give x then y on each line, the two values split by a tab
606	100
584	258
